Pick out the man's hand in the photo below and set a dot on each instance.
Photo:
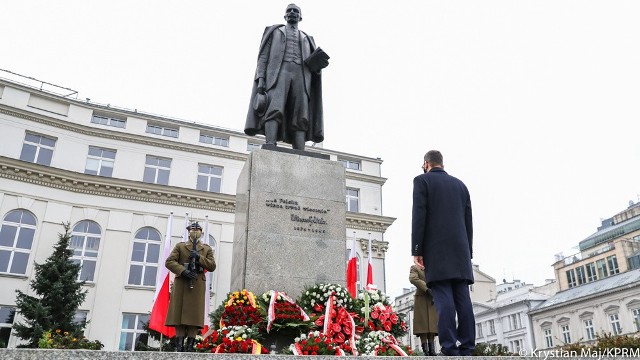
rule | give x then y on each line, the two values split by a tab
194	255
188	274
419	262
261	85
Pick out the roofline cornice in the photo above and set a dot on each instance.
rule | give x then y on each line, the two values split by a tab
591	296
113	187
368	222
51	177
122	136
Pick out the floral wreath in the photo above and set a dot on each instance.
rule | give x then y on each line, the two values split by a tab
282	310
241	308
381	343
315	343
315	298
233	339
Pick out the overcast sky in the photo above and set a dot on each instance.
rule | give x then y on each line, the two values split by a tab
535	105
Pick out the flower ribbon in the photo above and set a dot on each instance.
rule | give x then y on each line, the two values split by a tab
271	316
393	343
342	313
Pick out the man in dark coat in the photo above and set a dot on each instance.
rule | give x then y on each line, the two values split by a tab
441	241
186	306
286	100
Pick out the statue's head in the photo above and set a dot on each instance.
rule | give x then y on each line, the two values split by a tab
293	14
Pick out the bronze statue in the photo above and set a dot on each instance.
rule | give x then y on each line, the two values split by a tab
286	101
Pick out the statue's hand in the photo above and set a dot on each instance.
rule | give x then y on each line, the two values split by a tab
261	85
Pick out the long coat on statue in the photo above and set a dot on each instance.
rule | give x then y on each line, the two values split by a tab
186	306
425	317
270	58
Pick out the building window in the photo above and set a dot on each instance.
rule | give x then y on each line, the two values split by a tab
156	170
16	238
589	332
85	243
580	274
144	257
351	164
592	275
161	130
571	278
612	261
515	346
479	330
514	321
601	266
37	149
7	314
548	339
352	199
209	178
108	120
100	161
566	334
492	327
214	140
614	319
635	314
252	146
133	331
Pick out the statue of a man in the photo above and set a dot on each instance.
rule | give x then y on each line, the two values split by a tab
286	101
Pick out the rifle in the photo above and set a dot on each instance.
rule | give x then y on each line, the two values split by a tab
192	264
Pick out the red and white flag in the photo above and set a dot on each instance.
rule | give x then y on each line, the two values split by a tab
352	269
208	275
161	296
370	285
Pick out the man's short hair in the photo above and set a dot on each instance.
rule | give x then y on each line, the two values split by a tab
433	157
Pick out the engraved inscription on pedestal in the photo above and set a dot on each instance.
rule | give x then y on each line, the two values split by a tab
290	223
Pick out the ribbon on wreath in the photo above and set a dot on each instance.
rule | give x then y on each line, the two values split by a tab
271	314
340	313
392	343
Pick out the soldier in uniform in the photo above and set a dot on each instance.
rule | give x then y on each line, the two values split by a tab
425	317
186	306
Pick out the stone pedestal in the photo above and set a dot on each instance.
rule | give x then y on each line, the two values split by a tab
290	223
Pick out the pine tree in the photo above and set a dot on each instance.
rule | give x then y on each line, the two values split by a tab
58	295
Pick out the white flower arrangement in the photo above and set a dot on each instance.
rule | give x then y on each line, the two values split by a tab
375	296
320	293
368	343
235	332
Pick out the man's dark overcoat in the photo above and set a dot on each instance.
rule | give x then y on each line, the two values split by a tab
442	230
270	60
186	306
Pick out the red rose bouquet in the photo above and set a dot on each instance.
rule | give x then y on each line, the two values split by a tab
315	343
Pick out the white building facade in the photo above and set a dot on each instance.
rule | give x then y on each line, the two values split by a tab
505	321
115	175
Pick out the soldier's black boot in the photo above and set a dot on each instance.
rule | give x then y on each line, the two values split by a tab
190	342
432	348
425	349
179	343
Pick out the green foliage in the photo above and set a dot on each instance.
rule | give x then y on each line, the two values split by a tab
58	296
484	349
604	342
64	340
608	341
